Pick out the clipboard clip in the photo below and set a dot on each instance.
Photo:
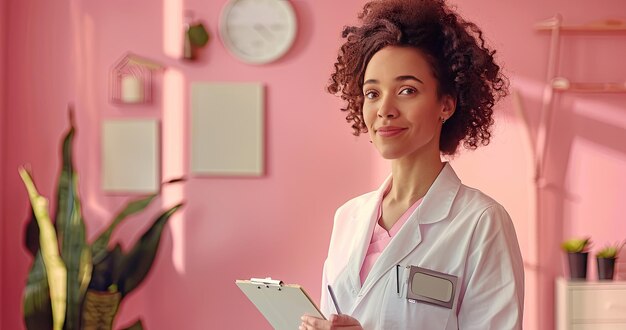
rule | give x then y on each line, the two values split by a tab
267	281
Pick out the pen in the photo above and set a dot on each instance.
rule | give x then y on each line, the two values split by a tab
398	279
332	296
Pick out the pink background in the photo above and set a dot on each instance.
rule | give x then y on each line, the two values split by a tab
55	53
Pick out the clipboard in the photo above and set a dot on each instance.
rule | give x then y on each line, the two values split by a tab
281	304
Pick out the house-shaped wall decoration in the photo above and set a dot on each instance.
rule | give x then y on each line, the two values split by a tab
131	80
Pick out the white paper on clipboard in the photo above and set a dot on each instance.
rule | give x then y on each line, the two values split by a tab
281	304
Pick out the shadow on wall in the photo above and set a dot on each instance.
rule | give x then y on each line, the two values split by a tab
585	156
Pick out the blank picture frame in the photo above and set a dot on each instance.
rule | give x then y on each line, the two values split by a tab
130	156
227	129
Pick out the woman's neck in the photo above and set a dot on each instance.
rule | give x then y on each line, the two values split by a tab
412	178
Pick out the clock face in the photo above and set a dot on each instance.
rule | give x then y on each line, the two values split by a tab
258	31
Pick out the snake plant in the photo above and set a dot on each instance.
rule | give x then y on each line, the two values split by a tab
73	284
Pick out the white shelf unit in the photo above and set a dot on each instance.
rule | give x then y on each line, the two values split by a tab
590	305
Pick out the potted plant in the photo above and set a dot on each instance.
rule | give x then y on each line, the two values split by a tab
577	255
74	284
196	37
605	260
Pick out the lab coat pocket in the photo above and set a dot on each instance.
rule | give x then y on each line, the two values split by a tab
401	313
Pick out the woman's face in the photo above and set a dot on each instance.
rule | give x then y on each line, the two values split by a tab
401	108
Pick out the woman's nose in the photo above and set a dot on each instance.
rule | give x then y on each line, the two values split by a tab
387	109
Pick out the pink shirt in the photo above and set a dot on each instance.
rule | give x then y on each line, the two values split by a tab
381	238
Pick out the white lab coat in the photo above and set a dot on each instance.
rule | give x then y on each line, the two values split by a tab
456	230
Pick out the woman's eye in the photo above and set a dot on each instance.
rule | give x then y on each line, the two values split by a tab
408	91
370	94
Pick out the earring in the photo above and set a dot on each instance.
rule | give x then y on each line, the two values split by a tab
443	120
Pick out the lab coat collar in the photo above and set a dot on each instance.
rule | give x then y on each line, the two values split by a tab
366	219
438	199
435	207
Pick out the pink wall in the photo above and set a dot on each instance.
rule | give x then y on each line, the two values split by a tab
282	229
39	84
3	23
313	163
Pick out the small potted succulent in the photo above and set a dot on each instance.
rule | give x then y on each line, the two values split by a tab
605	259
577	250
196	37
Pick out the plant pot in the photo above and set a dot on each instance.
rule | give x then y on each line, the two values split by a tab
577	265
606	268
100	309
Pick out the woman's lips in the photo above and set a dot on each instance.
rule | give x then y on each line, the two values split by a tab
389	131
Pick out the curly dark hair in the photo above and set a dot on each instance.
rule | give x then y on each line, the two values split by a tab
455	49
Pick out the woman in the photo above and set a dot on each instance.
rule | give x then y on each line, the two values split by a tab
423	251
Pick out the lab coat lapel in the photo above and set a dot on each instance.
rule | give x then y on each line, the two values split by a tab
366	220
435	207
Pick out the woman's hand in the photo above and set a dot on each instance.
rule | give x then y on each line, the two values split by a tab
344	322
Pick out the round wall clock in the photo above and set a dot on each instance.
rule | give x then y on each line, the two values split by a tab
258	31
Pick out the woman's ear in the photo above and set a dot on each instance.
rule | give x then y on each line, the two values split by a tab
449	106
